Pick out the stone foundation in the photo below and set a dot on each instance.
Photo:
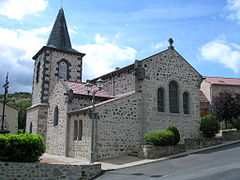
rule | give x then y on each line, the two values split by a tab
152	152
44	171
231	135
198	143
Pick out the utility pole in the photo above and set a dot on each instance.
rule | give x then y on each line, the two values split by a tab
3	129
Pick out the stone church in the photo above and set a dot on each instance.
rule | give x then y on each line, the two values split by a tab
152	93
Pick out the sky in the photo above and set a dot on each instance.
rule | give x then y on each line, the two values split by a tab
116	33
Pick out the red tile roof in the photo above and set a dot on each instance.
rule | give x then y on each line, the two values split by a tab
79	88
202	97
223	81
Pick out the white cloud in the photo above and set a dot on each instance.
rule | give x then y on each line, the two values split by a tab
100	40
103	56
234	7
222	52
17	9
17	48
160	45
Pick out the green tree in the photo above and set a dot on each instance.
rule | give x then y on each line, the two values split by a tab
225	107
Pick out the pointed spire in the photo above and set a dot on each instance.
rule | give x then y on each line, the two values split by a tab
59	37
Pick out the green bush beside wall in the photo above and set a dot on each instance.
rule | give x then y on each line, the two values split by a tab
21	147
160	138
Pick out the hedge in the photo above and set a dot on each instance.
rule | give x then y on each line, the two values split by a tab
160	138
21	147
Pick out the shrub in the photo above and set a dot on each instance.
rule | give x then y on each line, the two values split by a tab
209	126
160	138
176	133
236	123
21	147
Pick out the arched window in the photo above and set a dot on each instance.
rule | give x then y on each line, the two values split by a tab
30	128
160	99
173	97
185	103
55	123
37	72
63	70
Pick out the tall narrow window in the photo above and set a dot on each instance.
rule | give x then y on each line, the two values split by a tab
37	72
75	130
173	97
78	129
185	103
160	98
30	128
63	70
55	122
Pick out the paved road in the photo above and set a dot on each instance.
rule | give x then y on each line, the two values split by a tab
217	164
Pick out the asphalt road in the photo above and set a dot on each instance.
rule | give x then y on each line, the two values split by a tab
216	164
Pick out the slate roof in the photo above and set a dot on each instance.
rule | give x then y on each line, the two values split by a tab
222	81
202	97
59	38
79	88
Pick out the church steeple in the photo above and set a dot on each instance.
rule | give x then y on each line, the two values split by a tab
59	37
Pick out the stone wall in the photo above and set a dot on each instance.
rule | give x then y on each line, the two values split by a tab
52	60
37	115
231	135
120	83
56	134
48	72
80	149
162	68
75	66
43	171
37	86
32	117
153	152
120	127
79	102
197	143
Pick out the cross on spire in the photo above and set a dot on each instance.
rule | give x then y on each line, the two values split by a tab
170	40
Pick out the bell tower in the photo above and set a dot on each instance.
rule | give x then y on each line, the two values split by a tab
57	60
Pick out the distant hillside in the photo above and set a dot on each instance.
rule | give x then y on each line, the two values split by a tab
20	100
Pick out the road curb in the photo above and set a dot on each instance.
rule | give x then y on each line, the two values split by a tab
189	152
226	143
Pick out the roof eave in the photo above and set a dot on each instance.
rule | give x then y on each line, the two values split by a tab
55	49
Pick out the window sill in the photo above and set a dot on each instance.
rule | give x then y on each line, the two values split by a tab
174	114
